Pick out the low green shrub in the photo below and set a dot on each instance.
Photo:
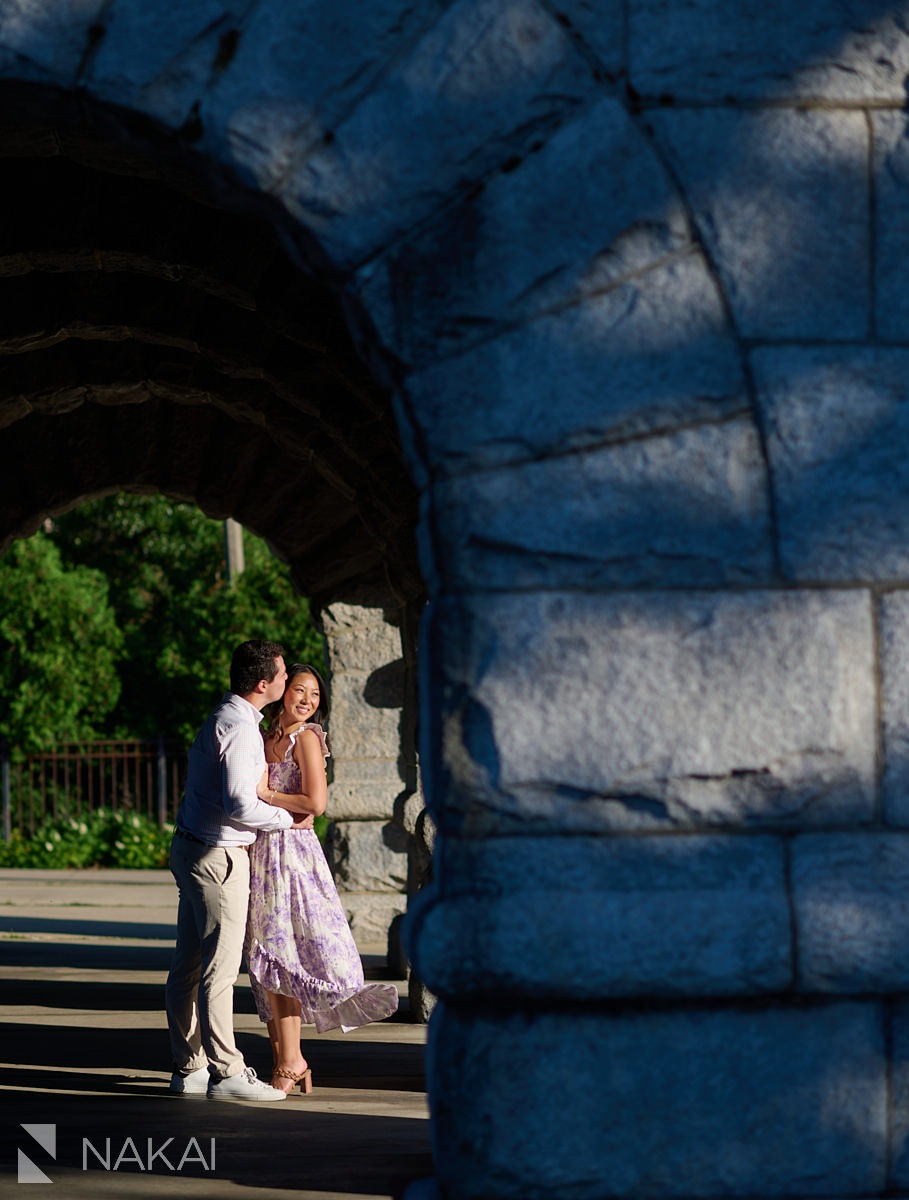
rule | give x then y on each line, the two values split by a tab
103	838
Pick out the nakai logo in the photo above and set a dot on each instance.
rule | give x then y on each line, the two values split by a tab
46	1137
142	1153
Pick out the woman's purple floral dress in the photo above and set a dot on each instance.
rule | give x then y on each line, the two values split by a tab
298	942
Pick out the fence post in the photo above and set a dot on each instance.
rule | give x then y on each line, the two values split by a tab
162	782
5	789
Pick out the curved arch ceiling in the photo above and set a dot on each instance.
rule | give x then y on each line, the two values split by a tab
150	340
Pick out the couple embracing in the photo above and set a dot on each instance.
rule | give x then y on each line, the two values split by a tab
250	871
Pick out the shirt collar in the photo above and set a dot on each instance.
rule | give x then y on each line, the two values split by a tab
249	711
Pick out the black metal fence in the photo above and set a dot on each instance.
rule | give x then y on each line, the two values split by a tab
80	777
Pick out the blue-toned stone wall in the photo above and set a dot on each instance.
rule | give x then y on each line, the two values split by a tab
634	272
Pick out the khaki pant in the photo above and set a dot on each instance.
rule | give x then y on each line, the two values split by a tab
211	923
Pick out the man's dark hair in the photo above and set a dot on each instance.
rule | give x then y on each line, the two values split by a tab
251	662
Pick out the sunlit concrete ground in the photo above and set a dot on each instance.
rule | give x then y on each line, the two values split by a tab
83	1047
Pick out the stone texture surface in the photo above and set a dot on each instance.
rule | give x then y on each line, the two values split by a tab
778	1102
524	246
585	712
368	856
851	897
161	57
370	915
491	78
837	420
891	213
364	647
654	353
365	789
266	113
900	1068
600	24
781	199
894	657
369	846
760	50
689	509
46	41
370	730
591	918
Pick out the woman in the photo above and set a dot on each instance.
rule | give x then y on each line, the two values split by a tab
303	963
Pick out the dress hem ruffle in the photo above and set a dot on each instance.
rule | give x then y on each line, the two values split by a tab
321	1005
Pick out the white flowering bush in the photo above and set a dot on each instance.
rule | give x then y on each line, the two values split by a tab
103	838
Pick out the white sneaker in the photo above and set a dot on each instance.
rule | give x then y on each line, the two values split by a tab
193	1084
244	1086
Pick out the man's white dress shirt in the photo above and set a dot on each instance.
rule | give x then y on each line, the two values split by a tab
225	763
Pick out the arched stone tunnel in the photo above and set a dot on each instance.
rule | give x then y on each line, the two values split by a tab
629	277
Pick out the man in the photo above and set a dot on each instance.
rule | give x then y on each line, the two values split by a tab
218	818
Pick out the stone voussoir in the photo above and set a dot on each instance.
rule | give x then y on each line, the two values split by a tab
654	353
524	248
49	46
450	110
781	199
265	113
688	509
161	58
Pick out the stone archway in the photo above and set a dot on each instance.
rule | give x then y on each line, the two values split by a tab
610	261
153	341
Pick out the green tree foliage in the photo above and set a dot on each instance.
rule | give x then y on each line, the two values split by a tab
180	620
59	647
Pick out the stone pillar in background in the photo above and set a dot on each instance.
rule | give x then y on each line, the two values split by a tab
373	765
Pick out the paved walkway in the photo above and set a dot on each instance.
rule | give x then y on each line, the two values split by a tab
83	1047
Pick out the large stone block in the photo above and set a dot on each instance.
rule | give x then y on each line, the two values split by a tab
891	217
363	648
781	200
364	789
851	897
592	918
651	354
368	856
760	50
768	1102
370	916
583	712
359	728
526	244
489	79
688	509
837	422
894	653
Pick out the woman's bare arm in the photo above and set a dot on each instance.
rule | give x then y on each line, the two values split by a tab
297	803
311	761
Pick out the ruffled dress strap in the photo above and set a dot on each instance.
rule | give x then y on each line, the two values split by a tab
317	730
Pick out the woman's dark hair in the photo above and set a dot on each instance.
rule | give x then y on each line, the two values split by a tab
275	711
251	662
